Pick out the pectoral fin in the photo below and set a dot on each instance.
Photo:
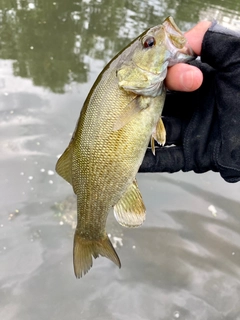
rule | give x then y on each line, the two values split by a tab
64	165
130	209
153	145
159	133
127	115
135	106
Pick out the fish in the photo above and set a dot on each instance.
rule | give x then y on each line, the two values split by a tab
120	116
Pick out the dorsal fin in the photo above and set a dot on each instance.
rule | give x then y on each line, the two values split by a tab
64	165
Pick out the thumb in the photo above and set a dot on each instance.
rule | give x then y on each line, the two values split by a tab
183	77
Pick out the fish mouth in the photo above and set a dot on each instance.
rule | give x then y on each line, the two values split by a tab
176	43
184	54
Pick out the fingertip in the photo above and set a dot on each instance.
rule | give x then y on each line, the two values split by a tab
196	34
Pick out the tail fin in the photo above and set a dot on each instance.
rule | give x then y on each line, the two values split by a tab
84	250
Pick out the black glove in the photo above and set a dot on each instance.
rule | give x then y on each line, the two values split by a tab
203	126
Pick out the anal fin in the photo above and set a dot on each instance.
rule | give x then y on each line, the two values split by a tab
130	209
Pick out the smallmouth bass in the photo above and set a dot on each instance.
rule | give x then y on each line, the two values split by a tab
121	114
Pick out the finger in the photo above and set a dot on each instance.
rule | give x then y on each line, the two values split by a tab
196	34
169	159
183	77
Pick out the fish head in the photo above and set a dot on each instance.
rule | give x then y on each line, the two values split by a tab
162	46
151	53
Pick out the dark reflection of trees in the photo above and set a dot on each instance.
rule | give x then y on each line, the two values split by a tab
48	40
41	42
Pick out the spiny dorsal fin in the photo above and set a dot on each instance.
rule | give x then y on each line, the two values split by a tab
64	165
130	209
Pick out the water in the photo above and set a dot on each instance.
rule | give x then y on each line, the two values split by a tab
184	263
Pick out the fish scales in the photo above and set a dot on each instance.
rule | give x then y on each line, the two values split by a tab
121	113
106	146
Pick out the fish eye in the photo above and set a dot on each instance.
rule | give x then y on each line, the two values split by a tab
149	42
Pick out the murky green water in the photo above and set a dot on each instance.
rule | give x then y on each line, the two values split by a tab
184	263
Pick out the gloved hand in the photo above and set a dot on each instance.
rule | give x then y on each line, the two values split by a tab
203	126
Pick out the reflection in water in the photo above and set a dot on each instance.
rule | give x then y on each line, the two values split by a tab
50	40
228	18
